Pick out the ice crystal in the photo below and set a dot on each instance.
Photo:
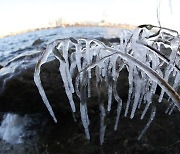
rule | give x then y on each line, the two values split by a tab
143	52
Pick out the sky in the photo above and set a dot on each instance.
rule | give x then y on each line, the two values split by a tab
18	15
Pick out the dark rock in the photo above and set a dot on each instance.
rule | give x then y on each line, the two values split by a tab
21	94
104	40
114	40
37	42
109	41
1	66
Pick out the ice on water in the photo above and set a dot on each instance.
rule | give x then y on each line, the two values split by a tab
141	52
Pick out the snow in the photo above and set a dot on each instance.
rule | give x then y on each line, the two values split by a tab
138	51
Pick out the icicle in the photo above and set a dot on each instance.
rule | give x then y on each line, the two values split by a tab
72	68
77	86
140	100
144	91
89	86
102	123
177	60
109	96
143	88
172	108
148	98
83	106
97	74
174	45
107	69
66	56
78	56
145	109
74	117
168	71
89	61
88	52
153	113
129	99
114	63
153	87
103	72
62	50
169	107
85	120
176	81
137	87
82	85
72	64
37	79
63	72
174	73
88	122
130	89
119	105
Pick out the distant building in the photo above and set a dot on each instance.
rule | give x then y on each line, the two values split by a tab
59	22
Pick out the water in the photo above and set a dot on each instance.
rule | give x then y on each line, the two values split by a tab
12	46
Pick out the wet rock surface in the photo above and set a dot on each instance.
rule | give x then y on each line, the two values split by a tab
37	42
21	95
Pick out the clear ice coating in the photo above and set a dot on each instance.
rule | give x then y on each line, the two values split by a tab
151	57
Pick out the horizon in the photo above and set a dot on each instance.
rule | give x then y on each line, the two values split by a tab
68	25
22	15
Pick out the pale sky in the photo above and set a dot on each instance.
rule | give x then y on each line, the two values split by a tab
16	15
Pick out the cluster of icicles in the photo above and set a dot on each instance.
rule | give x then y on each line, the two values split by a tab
142	52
